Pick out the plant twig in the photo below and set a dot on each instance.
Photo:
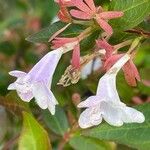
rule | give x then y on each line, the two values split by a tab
10	143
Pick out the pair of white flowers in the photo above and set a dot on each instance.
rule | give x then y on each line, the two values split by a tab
105	104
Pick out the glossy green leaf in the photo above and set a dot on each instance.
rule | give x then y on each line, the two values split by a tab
45	33
14	104
86	143
135	12
73	30
33	136
134	135
57	123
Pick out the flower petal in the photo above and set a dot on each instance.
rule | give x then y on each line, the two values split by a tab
65	44
58	32
105	45
81	6
135	70
89	102
76	57
91	5
111	14
87	119
64	17
131	73
41	95
104	25
44	69
51	108
107	88
118	65
79	14
51	104
111	114
84	121
44	97
130	115
25	96
17	73
112	60
12	86
96	119
107	84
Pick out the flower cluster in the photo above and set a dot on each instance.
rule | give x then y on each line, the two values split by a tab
130	71
106	103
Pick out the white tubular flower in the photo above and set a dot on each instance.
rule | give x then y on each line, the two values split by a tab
106	103
37	82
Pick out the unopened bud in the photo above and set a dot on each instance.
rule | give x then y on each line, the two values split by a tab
76	98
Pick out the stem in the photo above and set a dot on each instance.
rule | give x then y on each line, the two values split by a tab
10	143
141	32
58	32
85	33
123	44
87	23
134	45
61	144
79	38
67	136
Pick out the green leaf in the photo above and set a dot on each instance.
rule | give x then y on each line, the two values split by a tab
89	42
14	104
87	143
135	12
33	136
57	123
134	135
73	30
46	33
